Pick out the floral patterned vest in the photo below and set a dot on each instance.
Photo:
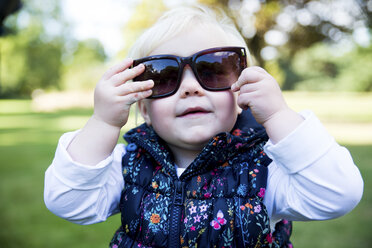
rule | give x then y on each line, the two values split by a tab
216	202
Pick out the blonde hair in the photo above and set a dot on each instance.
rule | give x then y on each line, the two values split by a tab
179	19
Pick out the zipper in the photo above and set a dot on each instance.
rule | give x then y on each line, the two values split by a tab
179	192
176	214
178	200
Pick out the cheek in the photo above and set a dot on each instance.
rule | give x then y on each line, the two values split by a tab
159	114
228	110
227	103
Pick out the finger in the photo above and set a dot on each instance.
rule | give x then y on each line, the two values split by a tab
249	75
135	97
128	74
259	69
245	100
123	65
133	87
251	87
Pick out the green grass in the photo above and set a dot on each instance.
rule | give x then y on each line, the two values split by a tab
28	141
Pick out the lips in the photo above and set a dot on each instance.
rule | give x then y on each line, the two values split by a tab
193	111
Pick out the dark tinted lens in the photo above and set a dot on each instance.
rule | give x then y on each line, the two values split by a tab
218	70
164	72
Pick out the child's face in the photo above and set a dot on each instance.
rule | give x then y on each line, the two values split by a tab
192	116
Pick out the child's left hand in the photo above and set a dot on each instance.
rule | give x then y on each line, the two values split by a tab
260	92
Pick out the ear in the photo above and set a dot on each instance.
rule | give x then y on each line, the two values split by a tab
143	108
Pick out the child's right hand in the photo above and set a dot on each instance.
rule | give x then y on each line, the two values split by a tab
114	95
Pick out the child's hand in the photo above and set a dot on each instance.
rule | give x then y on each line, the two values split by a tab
261	93
114	95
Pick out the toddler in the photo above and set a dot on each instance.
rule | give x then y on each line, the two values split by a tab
221	160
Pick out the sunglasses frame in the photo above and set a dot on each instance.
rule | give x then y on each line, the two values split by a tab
191	60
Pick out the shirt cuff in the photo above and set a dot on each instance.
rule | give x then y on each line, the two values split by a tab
306	144
77	175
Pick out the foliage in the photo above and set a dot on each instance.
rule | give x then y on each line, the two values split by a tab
40	53
84	66
144	15
301	25
28	62
325	68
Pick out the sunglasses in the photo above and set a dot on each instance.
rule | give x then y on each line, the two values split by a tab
215	69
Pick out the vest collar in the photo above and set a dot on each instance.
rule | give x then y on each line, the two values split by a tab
219	149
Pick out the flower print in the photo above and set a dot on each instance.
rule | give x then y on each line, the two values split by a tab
198	179
257	208
248	205
256	171
155	218
237	132
242	189
192	228
205	216
269	238
203	208
115	246
242	207
208	195
262	192
154	185
238	145
216	223
192	209
197	218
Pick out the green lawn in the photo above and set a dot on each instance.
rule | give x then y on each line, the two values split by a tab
28	140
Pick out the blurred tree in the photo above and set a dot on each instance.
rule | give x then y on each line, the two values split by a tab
144	15
28	62
31	52
276	30
84	66
322	67
40	52
7	7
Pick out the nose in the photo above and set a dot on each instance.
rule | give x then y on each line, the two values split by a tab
189	84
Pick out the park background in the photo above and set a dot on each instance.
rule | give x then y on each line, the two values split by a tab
320	52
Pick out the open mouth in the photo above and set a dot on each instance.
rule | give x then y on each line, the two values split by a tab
194	112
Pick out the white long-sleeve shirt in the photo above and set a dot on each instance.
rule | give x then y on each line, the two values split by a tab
311	177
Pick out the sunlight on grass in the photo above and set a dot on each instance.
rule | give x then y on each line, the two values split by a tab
347	116
14	106
350	133
329	106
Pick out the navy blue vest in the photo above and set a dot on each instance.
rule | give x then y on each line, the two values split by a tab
216	202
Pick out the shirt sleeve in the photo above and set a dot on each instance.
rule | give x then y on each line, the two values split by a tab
311	176
81	193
